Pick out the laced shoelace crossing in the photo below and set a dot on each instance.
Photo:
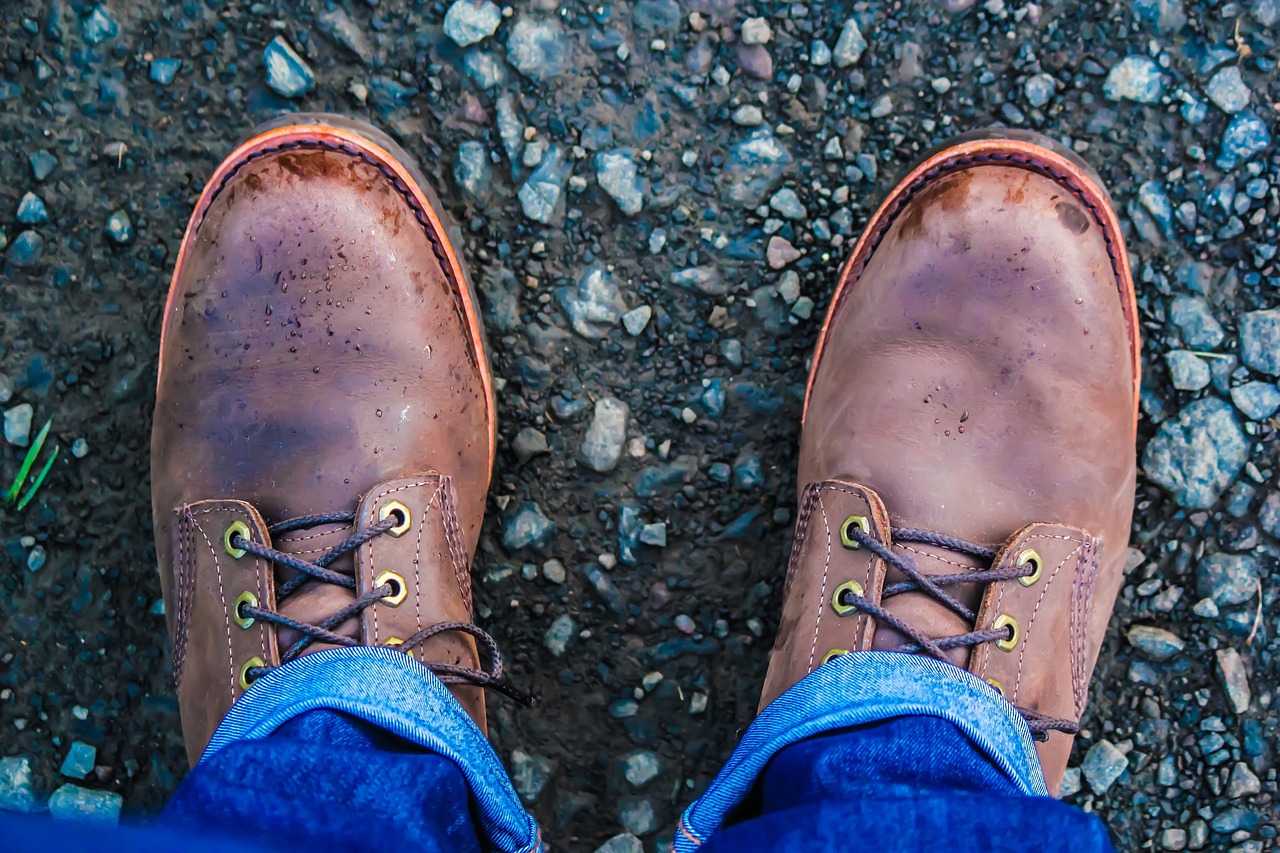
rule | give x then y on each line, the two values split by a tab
320	571
935	587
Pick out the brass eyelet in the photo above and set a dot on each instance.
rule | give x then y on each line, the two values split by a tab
251	663
396	508
1004	620
237	528
400	588
833	654
837	602
1033	557
393	641
860	521
239	618
997	685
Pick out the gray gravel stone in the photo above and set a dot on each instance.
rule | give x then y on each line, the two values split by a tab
42	164
1246	136
1228	91
119	228
849	46
780	252
339	26
1039	89
1269	513
540	196
526	527
788	204
819	54
1256	400
163	70
1260	340
1228	579
602	446
530	774
79	761
637	816
26	250
640	767
539	49
1197	454
635	320
1156	643
1242	782
554	571
559	634
1102	765
1187	371
617	175
622	843
31	210
528	443
1134	78
71	802
17	788
100	26
1235	679
755	168
595	305
471	169
471	21
1196	323
17	424
756	31
705	280
288	74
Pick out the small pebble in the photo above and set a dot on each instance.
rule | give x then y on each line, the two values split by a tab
164	70
288	74
79	761
1134	78
119	228
850	45
17	424
756	31
471	21
71	802
31	210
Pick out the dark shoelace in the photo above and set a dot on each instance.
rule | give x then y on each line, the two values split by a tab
934	586
319	571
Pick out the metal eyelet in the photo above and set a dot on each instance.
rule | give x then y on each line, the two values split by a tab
237	528
833	654
854	520
396	508
238	617
837	597
1032	557
1004	620
400	589
997	685
251	663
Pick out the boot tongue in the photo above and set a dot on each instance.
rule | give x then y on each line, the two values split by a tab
315	600
922	611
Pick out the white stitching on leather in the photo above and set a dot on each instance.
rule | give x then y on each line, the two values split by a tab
822	597
1022	653
417	575
222	596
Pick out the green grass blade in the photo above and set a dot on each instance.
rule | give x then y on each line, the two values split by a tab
35	487
32	453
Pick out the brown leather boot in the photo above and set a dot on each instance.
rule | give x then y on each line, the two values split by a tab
967	460
324	423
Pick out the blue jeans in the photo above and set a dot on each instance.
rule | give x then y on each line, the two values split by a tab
364	749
